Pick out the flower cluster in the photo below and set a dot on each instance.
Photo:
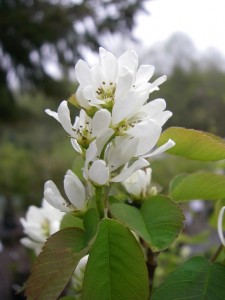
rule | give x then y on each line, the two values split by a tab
116	130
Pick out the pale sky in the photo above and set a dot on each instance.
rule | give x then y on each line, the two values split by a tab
202	20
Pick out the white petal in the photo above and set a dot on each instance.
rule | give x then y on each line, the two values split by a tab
169	144
36	234
108	63
76	146
82	73
34	215
220	225
31	244
81	266
83	118
128	107
103	139
33	229
124	84
74	190
91	152
82	101
163	117
91	155
146	128
128	59
136	183
127	171
64	118
52	114
134	188
54	198
155	110
101	121
89	94
154	107
121	151
51	213
144	74
148	172
99	173
148	133
78	276
157	82
97	76
54	226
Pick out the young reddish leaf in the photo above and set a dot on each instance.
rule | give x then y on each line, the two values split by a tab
59	258
194	144
56	263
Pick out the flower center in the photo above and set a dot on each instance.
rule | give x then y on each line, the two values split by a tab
45	226
84	135
106	93
123	126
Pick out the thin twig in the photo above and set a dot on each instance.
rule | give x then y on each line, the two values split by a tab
217	253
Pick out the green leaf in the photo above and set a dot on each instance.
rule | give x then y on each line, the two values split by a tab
56	263
202	185
71	221
91	222
158	222
194	144
197	279
116	267
177	180
113	199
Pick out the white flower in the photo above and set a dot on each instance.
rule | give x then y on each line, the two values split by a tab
220	225
78	275
138	184
123	89
74	189
39	224
153	111
114	166
117	85
84	129
147	133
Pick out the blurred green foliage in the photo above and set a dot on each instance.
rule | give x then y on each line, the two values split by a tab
196	98
33	150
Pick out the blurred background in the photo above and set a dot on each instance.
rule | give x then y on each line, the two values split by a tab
40	42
